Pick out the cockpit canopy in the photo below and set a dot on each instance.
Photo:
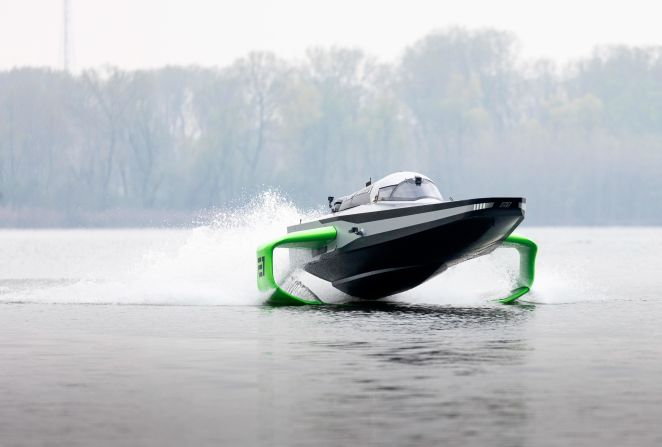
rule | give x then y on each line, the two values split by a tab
397	187
410	189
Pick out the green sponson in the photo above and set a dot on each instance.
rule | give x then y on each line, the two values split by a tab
311	239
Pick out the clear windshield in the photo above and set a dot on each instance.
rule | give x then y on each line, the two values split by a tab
410	190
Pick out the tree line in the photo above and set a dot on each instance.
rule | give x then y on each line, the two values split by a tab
582	142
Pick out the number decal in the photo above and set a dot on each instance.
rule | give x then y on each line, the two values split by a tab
260	267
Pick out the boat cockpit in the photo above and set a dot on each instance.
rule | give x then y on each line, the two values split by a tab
398	187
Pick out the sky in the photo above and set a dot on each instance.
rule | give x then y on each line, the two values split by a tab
151	33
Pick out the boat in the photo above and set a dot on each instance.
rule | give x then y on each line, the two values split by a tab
391	236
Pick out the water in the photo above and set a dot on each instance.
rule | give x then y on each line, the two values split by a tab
158	337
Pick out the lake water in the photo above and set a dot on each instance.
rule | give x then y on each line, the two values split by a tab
158	337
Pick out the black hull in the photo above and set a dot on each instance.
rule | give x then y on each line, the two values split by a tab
376	266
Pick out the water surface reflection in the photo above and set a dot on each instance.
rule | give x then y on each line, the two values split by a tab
418	372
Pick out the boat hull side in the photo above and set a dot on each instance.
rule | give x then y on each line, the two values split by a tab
390	262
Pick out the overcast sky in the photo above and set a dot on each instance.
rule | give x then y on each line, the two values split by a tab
152	33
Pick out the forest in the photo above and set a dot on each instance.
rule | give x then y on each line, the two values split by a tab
581	141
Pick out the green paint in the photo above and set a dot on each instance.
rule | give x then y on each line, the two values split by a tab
515	294
310	239
527	250
318	237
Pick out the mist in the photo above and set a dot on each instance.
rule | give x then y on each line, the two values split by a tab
115	147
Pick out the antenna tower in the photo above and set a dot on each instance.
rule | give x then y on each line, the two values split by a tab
66	36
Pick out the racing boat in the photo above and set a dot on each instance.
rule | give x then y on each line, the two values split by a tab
393	235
